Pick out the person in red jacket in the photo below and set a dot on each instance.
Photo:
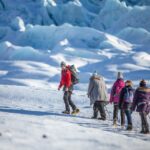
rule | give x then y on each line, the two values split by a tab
67	85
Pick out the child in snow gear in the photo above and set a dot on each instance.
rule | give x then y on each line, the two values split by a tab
141	103
114	98
97	92
126	100
66	82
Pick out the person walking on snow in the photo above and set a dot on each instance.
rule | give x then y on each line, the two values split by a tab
141	103
126	100
97	92
114	98
67	85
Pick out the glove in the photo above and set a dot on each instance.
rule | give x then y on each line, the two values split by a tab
59	88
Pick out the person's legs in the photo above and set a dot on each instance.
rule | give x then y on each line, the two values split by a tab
144	123
122	113
95	110
101	109
73	106
115	113
129	119
66	101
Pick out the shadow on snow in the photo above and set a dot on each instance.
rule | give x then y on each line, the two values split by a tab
35	113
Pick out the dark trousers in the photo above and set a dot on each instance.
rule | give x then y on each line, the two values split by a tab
68	102
144	122
99	107
128	115
115	114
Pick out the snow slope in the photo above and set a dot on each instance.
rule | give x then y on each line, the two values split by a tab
87	48
30	119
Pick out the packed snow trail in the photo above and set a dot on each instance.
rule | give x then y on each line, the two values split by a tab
30	118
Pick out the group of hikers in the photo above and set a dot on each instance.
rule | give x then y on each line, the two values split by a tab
123	96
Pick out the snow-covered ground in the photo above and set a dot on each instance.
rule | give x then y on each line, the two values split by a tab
30	118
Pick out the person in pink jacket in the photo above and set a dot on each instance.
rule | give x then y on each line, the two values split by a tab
114	98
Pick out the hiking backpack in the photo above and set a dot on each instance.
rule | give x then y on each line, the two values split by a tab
128	96
74	74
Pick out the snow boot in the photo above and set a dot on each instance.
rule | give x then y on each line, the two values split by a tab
143	129
76	111
95	114
142	132
129	127
122	126
66	112
93	117
114	123
101	118
146	131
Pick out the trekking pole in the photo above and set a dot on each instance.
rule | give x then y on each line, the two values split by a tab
107	112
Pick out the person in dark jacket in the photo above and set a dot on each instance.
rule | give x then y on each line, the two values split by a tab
126	100
141	103
97	92
67	88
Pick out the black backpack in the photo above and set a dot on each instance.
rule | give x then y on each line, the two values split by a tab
74	75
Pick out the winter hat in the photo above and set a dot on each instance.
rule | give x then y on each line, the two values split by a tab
120	75
142	83
63	64
95	73
128	83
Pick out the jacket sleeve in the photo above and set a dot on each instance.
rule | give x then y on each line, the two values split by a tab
90	87
61	81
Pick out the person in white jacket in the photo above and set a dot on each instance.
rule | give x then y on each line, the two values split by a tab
97	92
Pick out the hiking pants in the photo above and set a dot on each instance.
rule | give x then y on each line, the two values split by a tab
128	115
99	107
68	102
144	122
115	114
